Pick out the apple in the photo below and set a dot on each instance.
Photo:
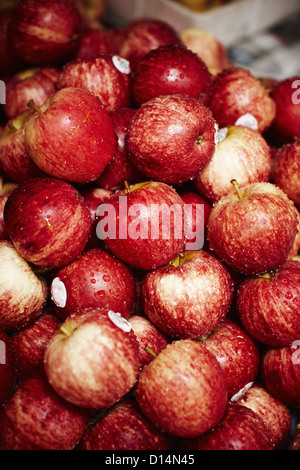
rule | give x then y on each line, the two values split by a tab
120	168
237	92
238	355
268	305
48	222
107	76
188	297
240	429
5	189
286	170
123	427
143	224
142	35
169	388
45	32
23	292
7	367
280	371
171	69
275	414
94	279
206	45
151	340
95	41
92	11
253	229
171	138
38	83
36	418
285	94
92	361
243	154
71	136
10	63
295	441
30	342
15	160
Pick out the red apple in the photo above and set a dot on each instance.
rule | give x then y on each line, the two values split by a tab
240	429
269	305
94	279
124	427
296	247
36	418
143	35
43	32
238	355
143	225
48	221
71	136
171	138
30	343
10	63
95	42
286	97
237	92
5	189
106	75
254	228
188	297
295	441
243	154
171	69
286	170
183	390
92	360
120	168
7	367
280	371
275	414
23	293
37	83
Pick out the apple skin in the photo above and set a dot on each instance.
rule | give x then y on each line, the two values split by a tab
10	63
95	41
107	351
77	118
286	170
5	190
269	305
143	35
238	355
188	297
15	160
120	168
94	279
237	92
44	33
253	233
171	138
280	373
171	69
7	368
99	75
194	221
244	155
36	418
286	125
169	387
148	335
124	427
29	344
240	429
275	414
295	441
38	84
154	250
41	216
23	293
296	246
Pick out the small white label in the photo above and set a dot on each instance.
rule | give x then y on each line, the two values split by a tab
222	134
58	293
123	65
242	392
119	321
247	120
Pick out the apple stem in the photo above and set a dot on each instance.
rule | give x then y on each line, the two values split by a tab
199	139
31	104
127	190
150	351
181	258
236	186
12	127
67	328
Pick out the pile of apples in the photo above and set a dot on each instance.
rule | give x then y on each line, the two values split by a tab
118	342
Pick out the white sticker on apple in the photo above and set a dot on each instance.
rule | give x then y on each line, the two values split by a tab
241	392
123	65
119	321
247	120
222	134
58	293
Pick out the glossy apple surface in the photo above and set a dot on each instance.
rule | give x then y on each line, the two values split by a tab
196	218
286	170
